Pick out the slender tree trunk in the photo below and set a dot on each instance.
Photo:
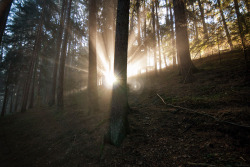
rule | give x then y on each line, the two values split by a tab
131	28
17	98
164	57
203	20
154	40
182	43
36	49
236	6
52	97
158	32
138	22
60	96
145	21
5	6
172	36
1	54
167	16
33	84
11	102
92	75
118	127
195	25
225	26
6	93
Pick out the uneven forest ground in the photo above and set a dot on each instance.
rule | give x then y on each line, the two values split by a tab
196	126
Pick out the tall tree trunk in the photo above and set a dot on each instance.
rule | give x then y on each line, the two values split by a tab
236	6
154	40
11	102
6	93
52	97
203	20
92	75
167	6
195	25
118	127
138	22
17	98
36	49
5	6
60	96
31	104
172	36
182	43
131	28
158	31
225	25
145	21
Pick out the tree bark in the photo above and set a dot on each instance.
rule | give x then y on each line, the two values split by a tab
182	42
195	25
158	31
60	96
138	22
36	49
203	20
229	40
6	93
154	40
92	75
172	36
236	6
118	127
52	98
5	6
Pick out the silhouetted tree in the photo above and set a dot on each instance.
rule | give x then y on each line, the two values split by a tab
58	51
182	43
60	96
205	32
118	127
154	40
5	6
229	40
92	75
172	34
239	18
33	60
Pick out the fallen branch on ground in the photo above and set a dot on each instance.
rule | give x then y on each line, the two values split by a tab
204	114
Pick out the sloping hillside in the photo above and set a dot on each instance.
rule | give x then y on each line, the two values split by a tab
204	123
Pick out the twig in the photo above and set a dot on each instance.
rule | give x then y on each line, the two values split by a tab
204	114
199	164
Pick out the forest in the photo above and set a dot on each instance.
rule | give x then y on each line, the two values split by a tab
125	83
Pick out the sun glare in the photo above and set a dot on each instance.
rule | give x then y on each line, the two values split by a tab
110	79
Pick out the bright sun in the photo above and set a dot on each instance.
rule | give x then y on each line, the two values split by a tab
110	79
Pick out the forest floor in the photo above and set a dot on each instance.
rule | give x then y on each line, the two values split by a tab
204	123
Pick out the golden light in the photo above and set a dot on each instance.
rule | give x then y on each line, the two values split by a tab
110	79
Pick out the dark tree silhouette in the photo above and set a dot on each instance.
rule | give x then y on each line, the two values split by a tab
158	31
5	6
58	49
229	40
182	43
205	32
154	40
33	60
60	102
118	127
239	18
92	75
